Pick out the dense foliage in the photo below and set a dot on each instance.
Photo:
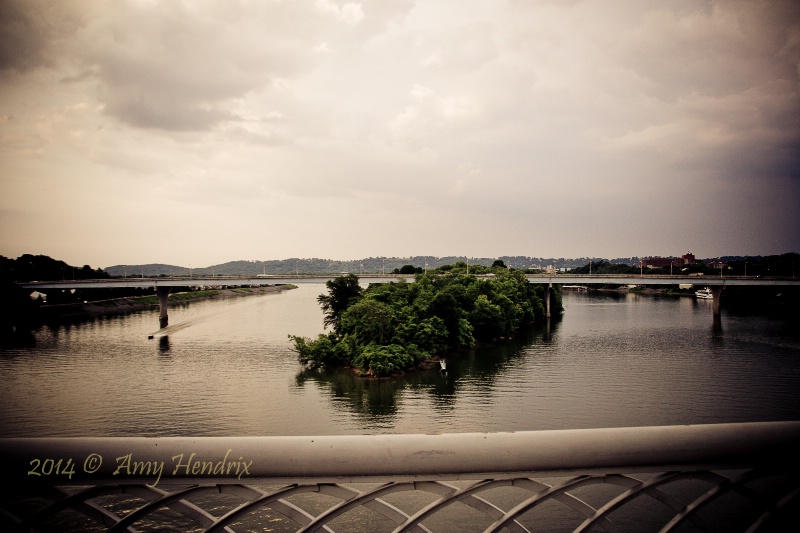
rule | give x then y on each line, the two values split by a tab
29	267
392	326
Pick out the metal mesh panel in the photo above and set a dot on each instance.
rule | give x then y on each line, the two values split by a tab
748	500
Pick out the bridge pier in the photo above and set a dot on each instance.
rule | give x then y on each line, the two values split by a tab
547	299
163	295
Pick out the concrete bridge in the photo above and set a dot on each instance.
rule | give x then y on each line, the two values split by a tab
164	285
715	283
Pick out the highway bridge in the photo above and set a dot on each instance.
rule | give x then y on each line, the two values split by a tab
163	285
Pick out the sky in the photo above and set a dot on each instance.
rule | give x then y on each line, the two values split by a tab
199	132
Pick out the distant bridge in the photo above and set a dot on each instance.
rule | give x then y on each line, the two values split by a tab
715	283
163	285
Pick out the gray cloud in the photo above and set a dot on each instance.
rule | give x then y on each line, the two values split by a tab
529	118
31	32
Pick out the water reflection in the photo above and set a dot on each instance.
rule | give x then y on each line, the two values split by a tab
363	396
16	337
163	344
377	399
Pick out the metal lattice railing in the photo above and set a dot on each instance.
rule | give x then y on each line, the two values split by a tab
722	477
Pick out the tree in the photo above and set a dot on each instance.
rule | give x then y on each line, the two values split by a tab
498	263
343	291
368	321
409	269
486	319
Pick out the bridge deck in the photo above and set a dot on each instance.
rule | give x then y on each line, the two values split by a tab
560	279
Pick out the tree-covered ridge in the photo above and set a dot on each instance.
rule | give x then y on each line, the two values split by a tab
389	327
408	265
29	267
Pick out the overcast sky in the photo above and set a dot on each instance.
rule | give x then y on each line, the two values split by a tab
199	132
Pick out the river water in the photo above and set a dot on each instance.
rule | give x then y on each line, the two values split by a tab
227	368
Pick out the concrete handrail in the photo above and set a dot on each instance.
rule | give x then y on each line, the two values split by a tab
406	456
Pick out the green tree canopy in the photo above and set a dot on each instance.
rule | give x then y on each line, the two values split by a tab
342	292
391	326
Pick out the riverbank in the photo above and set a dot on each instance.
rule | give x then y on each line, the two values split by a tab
122	306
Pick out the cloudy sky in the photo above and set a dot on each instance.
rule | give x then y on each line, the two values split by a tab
198	131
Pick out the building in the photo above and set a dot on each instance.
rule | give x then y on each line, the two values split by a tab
667	262
660	262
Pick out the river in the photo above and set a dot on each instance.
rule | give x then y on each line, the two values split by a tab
227	368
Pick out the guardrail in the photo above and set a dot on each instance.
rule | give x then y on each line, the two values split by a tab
697	477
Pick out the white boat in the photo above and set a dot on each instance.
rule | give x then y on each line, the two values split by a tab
704	294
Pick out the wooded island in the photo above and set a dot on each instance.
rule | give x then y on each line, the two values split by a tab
390	327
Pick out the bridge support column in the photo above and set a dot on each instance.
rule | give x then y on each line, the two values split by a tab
163	295
547	299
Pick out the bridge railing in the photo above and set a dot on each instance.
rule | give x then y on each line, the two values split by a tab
696	478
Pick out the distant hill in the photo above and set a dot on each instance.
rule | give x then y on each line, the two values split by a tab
152	270
369	265
29	267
